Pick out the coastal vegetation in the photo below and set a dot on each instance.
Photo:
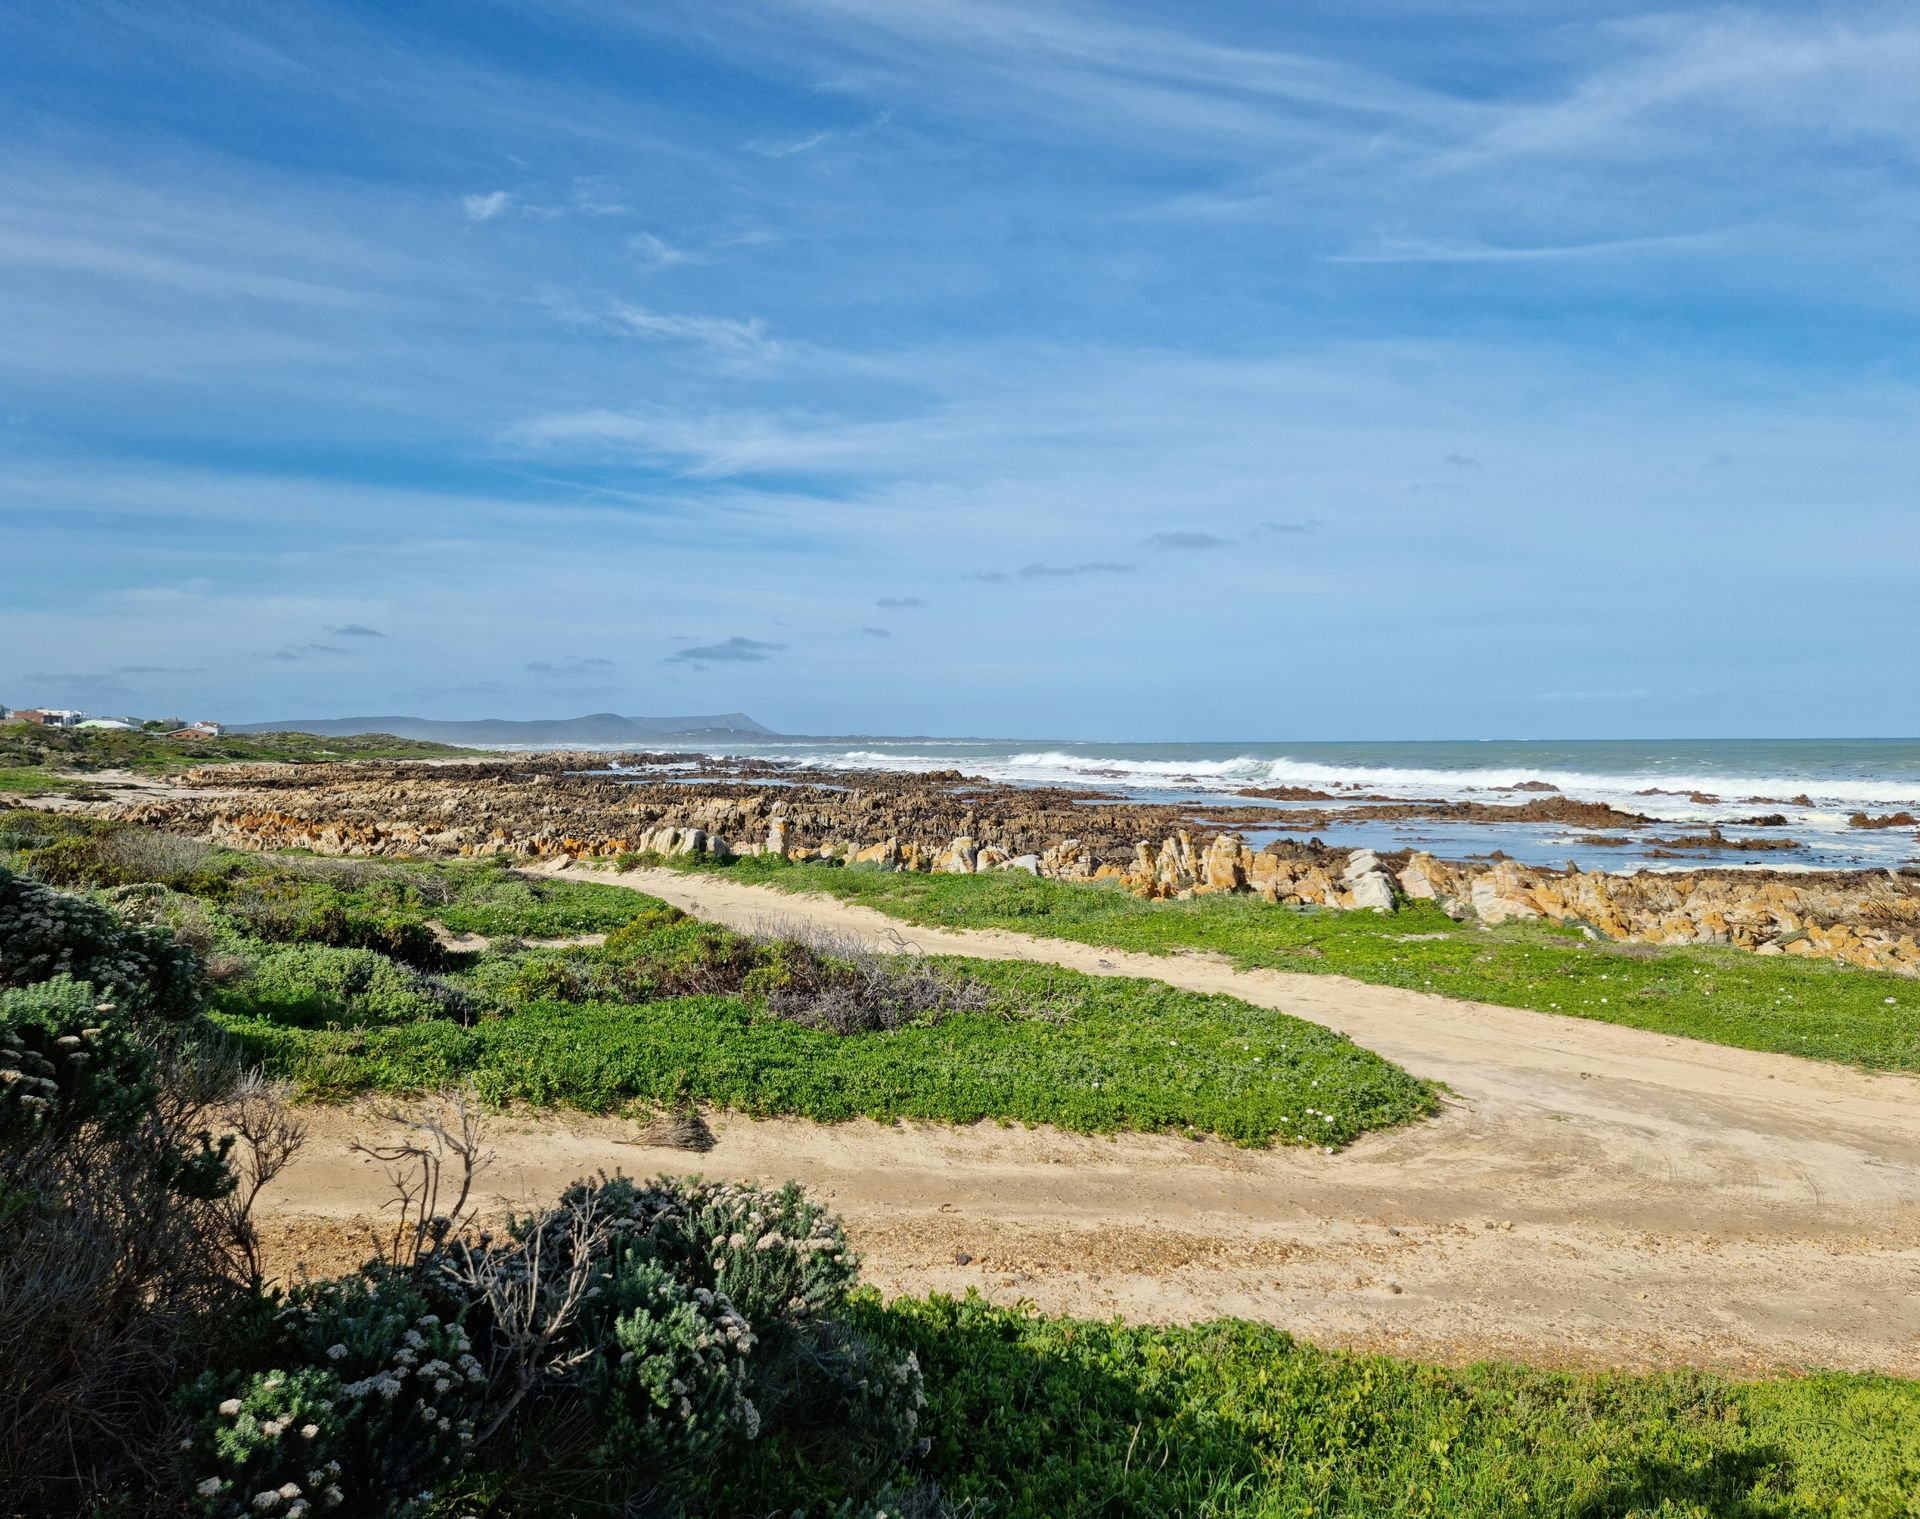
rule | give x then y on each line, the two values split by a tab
1777	1003
343	976
677	1346
34	759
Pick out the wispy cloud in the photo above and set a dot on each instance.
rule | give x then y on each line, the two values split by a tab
652	251
1414	250
1039	570
735	338
1286	528
789	147
876	632
1186	540
735	650
484	208
806	142
355	630
571	664
440	693
895	603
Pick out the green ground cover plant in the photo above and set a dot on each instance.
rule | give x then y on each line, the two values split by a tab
325	973
24	781
1039	1416
26	748
1776	1003
1106	1055
679	1347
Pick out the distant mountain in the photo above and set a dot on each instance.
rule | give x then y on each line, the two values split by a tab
597	729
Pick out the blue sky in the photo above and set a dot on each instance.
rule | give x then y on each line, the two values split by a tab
1220	370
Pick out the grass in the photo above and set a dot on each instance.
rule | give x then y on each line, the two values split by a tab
30	782
1105	1055
1043	1417
1725	996
26	747
329	976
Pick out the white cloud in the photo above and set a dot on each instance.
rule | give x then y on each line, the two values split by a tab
1419	250
654	252
484	208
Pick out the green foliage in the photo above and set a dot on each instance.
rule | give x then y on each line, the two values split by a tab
314	985
121	1246
489	899
46	933
669	1375
725	1402
1058	1417
1112	1054
26	746
1726	996
317	912
772	1251
369	1402
67	1059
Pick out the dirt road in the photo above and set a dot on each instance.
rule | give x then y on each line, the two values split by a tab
1589	1195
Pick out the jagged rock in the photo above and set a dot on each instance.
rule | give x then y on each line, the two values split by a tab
1499	895
1373	890
958	858
540	807
1361	862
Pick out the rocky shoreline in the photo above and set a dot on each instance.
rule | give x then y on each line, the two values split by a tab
550	805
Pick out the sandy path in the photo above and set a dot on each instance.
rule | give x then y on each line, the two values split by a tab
1591	1195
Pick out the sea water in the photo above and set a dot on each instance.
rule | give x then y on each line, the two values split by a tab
1734	779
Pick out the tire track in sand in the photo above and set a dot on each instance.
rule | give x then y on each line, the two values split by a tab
1591	1195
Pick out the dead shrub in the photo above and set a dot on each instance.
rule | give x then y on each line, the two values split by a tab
826	979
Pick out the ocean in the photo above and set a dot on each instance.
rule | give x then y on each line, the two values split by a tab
1699	784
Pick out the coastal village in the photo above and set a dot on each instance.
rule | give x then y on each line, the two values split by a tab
72	718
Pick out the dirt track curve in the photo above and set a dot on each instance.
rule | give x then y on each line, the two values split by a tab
1590	1195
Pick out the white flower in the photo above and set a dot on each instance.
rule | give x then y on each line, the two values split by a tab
266	1500
336	1352
309	1431
230	1407
290	1490
209	1488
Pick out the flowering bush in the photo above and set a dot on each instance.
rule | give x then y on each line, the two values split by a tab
125	1249
668	1380
66	1058
374	1402
46	933
774	1252
764	1260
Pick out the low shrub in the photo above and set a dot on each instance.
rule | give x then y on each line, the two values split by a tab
127	1256
314	985
115	855
367	1403
319	913
46	933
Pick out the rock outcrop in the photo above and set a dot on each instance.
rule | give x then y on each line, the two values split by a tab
545	806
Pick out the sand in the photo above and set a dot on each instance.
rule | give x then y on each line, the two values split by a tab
1589	1195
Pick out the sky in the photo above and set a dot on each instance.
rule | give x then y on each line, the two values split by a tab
1371	369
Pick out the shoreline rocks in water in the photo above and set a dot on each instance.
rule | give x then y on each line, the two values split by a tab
545	806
